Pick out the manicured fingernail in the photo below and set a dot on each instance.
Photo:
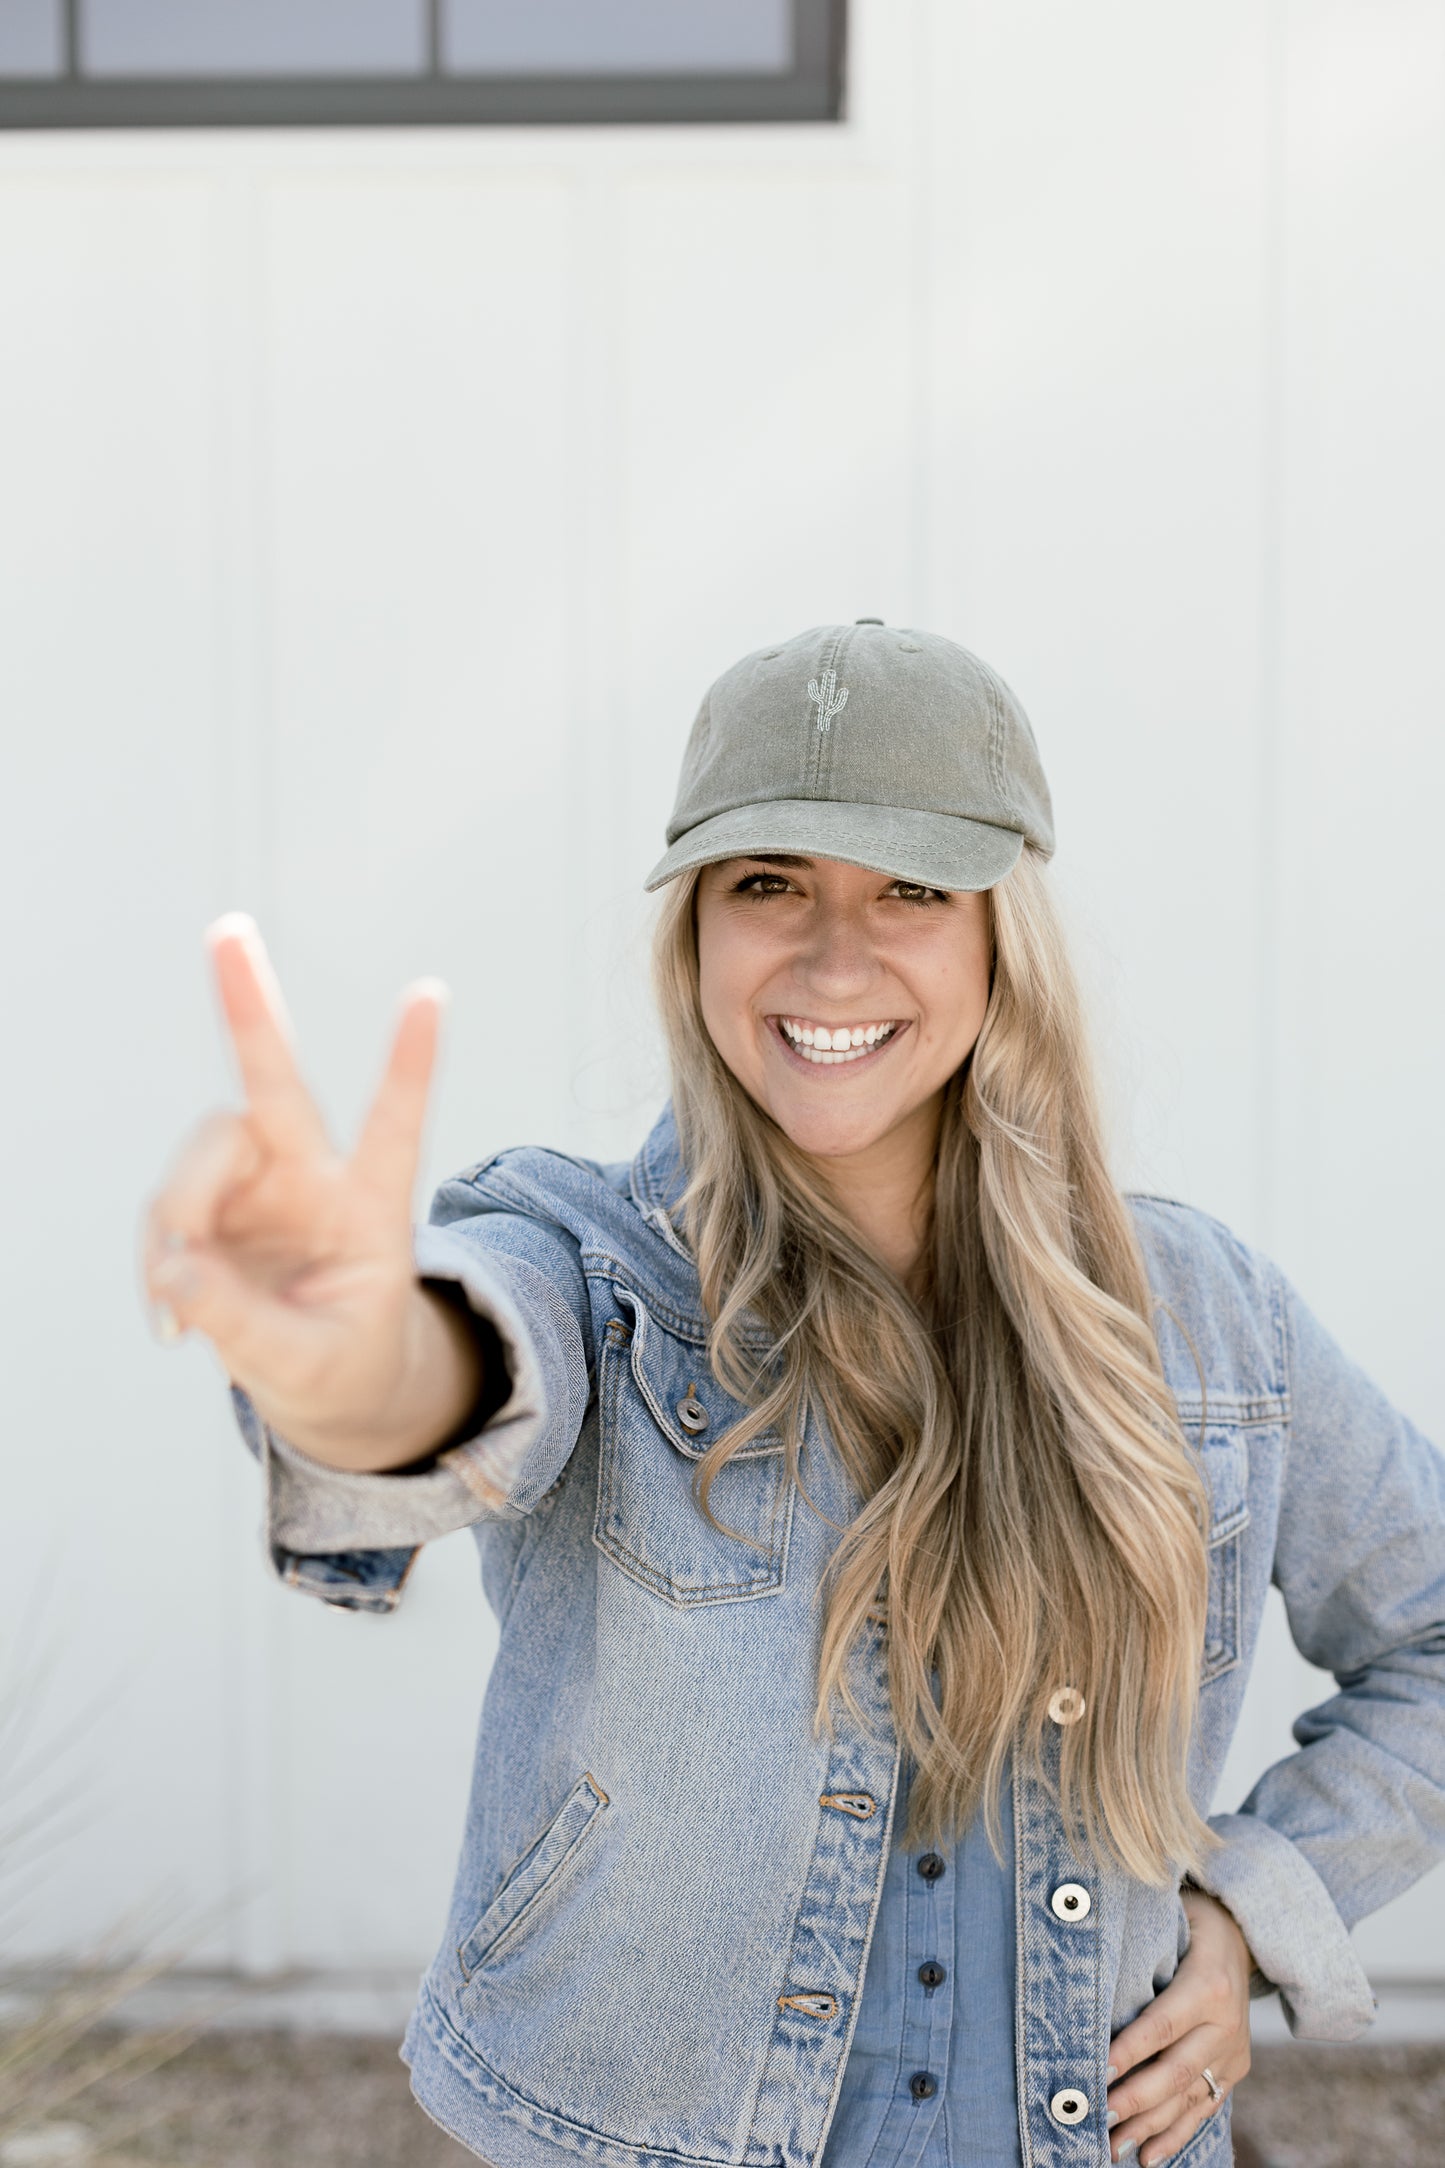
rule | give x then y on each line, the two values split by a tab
1111	2072
167	1327
1111	2119
230	924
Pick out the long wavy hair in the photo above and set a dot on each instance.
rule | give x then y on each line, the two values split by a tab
1032	1513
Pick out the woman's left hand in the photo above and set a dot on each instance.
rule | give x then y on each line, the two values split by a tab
1199	2021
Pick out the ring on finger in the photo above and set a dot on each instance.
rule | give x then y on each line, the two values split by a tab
1216	2090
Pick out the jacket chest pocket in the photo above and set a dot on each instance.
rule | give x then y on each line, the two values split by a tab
1225	1454
659	1410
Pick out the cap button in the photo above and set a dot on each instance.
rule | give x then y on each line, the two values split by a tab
867	620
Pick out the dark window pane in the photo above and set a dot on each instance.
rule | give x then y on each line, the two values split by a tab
30	37
253	37
623	37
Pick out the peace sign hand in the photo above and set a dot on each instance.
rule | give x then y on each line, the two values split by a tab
295	1262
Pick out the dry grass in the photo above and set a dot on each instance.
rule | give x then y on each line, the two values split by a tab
57	2051
252	2099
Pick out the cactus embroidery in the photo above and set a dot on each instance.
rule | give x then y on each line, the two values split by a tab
831	697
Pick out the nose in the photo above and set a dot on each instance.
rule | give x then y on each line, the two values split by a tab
835	957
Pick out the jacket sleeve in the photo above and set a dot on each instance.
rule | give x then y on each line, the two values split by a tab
351	1539
1357	1815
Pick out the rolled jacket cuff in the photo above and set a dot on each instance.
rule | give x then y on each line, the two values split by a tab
313	1509
1300	1944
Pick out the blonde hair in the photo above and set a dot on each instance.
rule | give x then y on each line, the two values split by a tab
1032	1514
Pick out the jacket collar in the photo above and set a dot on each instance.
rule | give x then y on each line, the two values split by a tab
657	1178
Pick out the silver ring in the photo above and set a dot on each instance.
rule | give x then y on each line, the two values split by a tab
1216	2091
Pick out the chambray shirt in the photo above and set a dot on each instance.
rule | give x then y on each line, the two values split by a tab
929	2079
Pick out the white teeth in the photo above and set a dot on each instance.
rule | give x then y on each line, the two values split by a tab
847	1043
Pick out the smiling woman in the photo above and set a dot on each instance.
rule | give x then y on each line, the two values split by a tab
877	1503
807	976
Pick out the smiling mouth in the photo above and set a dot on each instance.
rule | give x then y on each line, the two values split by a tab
815	1058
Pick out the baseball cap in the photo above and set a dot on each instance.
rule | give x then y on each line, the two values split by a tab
879	744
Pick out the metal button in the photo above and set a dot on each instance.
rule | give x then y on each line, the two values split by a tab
861	1805
923	2085
930	1866
1067	1705
690	1411
932	1974
1071	1901
1070	2106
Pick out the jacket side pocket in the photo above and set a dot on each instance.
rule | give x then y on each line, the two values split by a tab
536	1871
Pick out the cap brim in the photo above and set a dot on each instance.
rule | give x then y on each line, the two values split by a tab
939	850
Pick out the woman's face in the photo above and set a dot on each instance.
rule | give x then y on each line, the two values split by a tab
795	951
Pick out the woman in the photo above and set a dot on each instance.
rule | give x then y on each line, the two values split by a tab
878	1507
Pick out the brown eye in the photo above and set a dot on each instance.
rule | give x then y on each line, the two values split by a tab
921	894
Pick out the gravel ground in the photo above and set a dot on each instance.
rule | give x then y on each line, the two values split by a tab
258	2099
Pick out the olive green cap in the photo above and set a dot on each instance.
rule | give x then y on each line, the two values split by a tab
891	748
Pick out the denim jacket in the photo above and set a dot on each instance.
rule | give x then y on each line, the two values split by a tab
668	1884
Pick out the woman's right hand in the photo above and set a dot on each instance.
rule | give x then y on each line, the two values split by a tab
295	1262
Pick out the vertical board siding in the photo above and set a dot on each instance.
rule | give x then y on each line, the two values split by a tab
376	510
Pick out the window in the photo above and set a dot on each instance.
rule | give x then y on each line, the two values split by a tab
214	63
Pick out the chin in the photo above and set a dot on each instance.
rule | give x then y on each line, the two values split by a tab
828	1133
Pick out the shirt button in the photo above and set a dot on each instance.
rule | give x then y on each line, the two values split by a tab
930	1866
1069	2106
923	2085
1067	1705
1071	1901
932	1974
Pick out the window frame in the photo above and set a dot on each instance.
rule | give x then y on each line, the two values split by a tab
813	91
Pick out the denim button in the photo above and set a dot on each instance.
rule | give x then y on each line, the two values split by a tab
932	1974
923	2085
930	1866
1070	2106
692	1414
1067	1705
1071	1901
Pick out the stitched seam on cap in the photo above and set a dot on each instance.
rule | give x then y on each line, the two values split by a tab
1013	805
995	738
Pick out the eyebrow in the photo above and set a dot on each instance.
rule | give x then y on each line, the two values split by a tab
790	858
770	858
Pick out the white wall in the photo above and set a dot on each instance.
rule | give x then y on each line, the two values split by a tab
375	506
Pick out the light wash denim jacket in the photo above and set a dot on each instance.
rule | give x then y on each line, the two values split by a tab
667	1885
